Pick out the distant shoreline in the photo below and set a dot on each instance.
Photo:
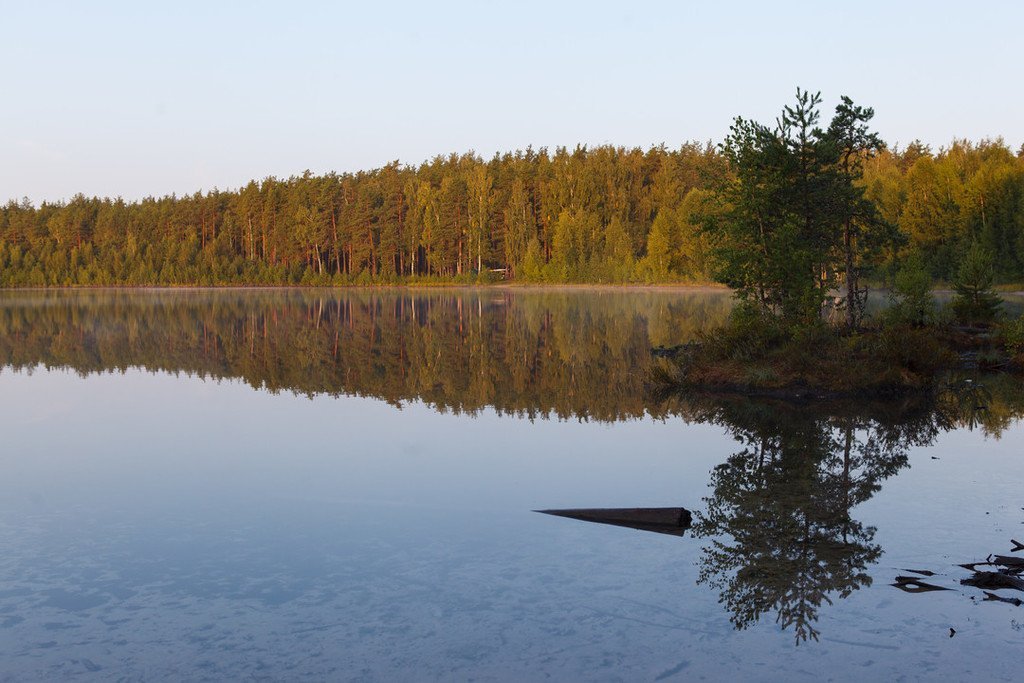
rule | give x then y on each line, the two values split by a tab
706	287
563	286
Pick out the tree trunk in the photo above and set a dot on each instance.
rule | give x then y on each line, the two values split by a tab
851	278
334	233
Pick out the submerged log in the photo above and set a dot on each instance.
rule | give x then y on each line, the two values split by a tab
672	521
996	561
1007	561
994	581
1004	573
912	584
992	597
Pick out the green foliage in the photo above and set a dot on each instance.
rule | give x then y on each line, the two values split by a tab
794	215
581	215
976	301
911	300
655	266
533	262
749	334
909	355
1012	334
825	209
944	202
618	252
693	256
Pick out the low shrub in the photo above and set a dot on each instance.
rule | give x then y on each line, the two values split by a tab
1012	336
911	300
916	349
747	335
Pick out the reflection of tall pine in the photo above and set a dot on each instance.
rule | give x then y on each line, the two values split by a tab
781	534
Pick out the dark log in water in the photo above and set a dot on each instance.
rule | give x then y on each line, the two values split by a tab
672	521
912	584
1006	574
1007	561
992	597
994	581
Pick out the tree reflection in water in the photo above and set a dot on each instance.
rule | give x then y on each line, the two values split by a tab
568	354
779	524
781	535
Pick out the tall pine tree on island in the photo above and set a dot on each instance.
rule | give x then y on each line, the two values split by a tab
793	217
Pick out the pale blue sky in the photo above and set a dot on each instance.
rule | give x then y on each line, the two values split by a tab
120	98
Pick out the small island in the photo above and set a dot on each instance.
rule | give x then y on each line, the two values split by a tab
792	230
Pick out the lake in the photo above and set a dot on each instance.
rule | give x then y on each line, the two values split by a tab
312	484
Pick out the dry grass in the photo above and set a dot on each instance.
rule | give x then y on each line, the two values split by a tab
763	357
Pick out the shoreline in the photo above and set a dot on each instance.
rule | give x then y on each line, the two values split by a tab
681	287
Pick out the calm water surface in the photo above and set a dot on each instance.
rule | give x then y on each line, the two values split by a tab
339	486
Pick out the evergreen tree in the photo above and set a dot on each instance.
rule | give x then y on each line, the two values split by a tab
976	301
774	237
864	233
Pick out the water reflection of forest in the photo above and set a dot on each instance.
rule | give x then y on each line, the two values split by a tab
781	535
565	353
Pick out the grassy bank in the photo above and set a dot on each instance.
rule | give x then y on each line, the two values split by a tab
762	356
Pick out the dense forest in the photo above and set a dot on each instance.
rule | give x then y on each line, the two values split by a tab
601	214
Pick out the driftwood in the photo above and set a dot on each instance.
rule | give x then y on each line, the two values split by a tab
994	580
911	584
992	597
996	572
1011	565
672	521
1007	561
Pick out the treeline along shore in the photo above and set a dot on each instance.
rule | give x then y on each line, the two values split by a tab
591	214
